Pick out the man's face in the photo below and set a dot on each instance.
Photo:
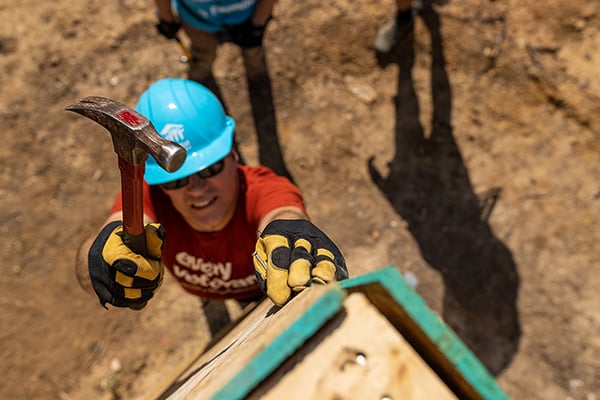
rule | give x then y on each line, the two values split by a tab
208	204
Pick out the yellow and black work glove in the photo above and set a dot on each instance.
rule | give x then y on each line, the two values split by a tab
121	277
291	254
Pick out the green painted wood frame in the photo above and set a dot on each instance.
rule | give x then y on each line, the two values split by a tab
386	289
427	333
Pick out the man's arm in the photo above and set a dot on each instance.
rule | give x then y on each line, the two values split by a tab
285	212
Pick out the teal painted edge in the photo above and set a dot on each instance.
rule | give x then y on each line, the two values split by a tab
433	326
284	345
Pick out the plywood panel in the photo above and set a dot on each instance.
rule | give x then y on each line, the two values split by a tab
258	345
427	333
367	337
358	355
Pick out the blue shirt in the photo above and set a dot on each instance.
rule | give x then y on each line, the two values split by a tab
212	15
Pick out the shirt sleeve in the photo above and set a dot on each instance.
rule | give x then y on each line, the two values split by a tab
266	191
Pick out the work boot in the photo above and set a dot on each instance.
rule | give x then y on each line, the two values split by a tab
395	30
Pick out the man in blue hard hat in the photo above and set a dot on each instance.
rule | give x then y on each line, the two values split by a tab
224	230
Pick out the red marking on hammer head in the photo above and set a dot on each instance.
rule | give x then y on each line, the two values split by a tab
129	117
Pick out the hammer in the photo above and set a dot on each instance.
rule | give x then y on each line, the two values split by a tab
187	53
133	137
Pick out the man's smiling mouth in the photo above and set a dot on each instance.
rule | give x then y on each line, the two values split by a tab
204	204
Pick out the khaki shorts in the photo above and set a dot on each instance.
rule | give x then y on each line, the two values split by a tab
204	52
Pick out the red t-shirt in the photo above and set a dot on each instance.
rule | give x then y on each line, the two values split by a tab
218	265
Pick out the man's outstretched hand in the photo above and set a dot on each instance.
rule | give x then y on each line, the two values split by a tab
121	277
292	254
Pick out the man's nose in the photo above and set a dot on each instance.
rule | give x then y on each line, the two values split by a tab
196	182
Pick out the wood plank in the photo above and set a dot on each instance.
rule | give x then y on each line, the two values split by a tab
437	344
258	345
357	355
273	346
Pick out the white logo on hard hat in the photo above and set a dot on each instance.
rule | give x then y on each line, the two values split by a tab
173	132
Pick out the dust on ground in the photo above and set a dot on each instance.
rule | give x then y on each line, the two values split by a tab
469	158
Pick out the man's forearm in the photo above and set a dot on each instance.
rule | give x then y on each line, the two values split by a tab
290	212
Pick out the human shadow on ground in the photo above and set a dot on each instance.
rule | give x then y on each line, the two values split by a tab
428	185
263	113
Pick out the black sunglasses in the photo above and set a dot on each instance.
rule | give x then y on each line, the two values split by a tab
205	173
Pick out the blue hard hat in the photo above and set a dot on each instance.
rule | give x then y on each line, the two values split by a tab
187	113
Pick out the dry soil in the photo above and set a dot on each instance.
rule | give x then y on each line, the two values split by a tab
468	158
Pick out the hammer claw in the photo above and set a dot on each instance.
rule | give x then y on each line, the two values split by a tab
134	136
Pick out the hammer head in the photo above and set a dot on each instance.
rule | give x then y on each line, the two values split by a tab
133	135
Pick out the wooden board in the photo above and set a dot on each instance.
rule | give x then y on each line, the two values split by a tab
357	355
436	343
257	346
319	344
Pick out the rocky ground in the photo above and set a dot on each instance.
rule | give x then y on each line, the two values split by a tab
469	158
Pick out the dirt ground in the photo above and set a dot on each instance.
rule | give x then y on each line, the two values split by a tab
469	158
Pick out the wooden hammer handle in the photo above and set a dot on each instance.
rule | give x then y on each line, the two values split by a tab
132	178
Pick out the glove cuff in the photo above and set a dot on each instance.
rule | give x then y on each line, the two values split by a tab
289	225
95	259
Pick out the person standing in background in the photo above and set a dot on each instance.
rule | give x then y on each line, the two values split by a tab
210	23
396	29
